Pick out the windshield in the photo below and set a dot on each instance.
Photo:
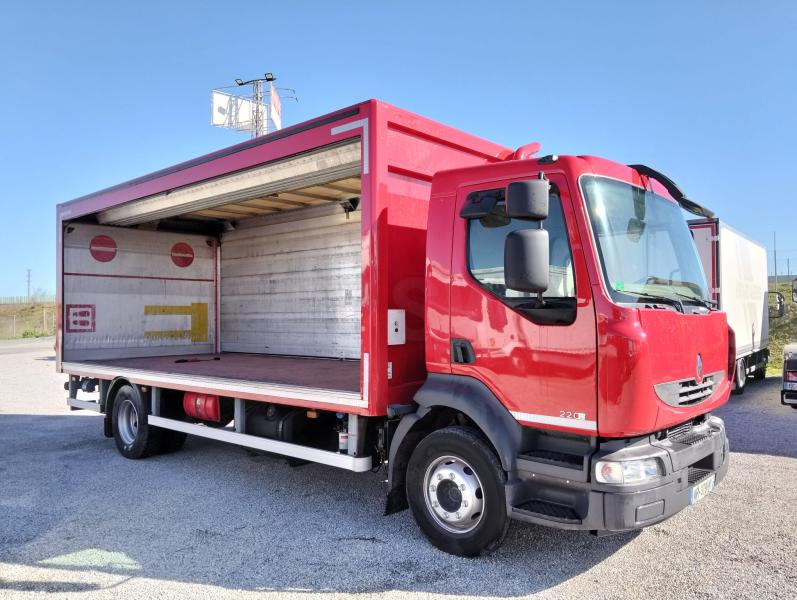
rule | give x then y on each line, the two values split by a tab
645	246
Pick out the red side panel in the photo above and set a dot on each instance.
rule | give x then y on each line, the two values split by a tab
409	150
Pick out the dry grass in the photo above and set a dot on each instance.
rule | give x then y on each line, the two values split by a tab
27	320
781	331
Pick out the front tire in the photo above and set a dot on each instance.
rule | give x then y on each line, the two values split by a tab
455	489
134	437
740	380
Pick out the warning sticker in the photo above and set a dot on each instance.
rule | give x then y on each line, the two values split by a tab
80	318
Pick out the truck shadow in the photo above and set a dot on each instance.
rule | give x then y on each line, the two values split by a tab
214	515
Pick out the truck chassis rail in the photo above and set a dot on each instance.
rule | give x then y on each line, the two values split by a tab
357	464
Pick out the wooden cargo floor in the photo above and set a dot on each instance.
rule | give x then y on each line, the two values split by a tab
318	373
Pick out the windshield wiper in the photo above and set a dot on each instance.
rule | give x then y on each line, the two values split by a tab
679	306
709	304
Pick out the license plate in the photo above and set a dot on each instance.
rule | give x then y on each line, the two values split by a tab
701	490
790	387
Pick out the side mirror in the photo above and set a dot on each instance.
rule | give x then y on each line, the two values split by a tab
794	291
636	228
780	306
526	260
528	199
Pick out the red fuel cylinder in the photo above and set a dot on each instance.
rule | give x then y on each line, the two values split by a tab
204	407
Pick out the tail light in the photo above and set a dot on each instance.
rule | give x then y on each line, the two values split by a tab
731	353
204	407
790	376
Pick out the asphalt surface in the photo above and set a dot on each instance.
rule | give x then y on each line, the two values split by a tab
213	521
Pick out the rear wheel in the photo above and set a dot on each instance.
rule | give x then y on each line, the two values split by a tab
741	376
455	488
134	437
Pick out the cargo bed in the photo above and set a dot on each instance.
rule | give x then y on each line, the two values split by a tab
253	376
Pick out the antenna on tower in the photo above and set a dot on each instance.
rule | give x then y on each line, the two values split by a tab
250	113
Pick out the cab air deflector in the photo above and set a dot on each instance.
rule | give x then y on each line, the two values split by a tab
674	191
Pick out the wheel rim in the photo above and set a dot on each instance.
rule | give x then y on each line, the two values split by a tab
741	373
453	494
127	422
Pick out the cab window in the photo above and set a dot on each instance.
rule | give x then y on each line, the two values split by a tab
486	249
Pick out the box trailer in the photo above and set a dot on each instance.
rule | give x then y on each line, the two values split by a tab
374	289
736	268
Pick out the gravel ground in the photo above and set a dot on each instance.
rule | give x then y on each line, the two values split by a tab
213	521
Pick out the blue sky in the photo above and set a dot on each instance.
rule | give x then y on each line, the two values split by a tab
94	93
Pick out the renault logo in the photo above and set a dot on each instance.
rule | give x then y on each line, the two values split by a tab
699	369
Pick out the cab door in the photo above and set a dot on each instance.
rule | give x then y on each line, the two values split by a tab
539	359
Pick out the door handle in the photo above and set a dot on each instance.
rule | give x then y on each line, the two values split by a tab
462	352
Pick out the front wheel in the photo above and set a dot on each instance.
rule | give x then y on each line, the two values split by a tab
455	488
741	376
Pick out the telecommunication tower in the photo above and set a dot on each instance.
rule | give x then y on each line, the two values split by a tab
250	113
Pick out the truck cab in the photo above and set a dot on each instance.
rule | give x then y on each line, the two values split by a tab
574	326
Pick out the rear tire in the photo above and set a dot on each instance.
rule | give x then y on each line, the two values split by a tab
134	437
455	489
740	380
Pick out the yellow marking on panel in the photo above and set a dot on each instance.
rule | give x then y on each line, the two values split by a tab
198	311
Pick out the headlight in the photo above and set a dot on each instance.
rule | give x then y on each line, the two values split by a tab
629	471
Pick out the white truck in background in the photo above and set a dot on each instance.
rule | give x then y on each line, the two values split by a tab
736	270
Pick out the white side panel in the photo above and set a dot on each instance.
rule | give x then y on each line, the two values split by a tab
131	293
744	289
293	286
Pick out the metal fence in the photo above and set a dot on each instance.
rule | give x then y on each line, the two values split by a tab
28	323
35	299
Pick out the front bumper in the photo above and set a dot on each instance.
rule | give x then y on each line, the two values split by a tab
689	460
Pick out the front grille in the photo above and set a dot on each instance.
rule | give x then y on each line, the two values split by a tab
692	392
693	437
678	430
689	433
686	392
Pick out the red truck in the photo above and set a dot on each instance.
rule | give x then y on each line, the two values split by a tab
509	336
